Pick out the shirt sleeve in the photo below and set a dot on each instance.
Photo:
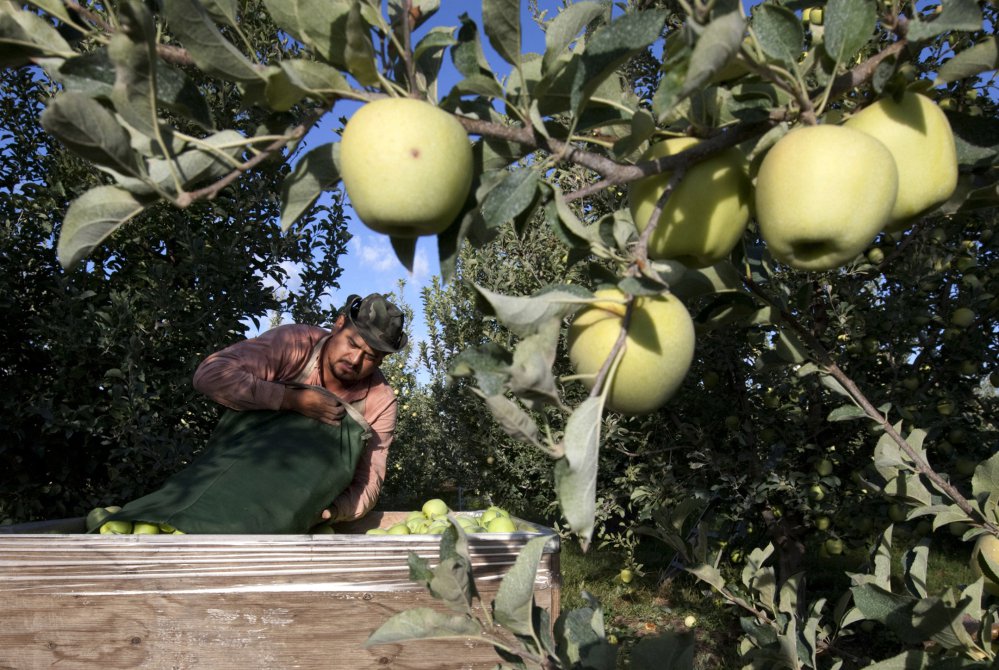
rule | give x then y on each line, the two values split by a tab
246	375
361	495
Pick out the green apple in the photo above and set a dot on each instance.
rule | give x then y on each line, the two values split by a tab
626	575
834	546
434	508
117	527
875	256
406	165
919	137
710	379
658	349
322	529
398	529
415	514
696	230
994	379
376	531
985	561
817	492
467	522
145	528
962	317
501	524
824	467
897	512
965	466
945	407
823	193
823	522
815	16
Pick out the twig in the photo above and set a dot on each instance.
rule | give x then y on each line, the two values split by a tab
825	359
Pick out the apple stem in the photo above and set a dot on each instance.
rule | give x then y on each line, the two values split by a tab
825	359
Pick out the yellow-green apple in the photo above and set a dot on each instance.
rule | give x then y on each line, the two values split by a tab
824	467
398	529
696	229
963	317
406	165
376	531
434	508
626	575
501	524
834	546
823	193
657	352
116	527
985	561
919	137
145	528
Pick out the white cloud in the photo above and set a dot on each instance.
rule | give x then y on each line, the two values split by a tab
374	252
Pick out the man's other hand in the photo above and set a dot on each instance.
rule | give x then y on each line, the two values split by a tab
313	404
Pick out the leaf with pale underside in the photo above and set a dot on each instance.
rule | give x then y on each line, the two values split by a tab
423	623
314	173
91	131
211	51
576	471
91	218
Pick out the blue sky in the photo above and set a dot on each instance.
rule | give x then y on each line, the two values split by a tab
370	264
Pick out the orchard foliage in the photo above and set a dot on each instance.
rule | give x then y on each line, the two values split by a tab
874	366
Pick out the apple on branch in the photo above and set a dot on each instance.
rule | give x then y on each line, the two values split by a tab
692	228
823	193
920	139
658	348
406	166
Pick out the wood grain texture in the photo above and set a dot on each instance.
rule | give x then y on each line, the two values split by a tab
71	600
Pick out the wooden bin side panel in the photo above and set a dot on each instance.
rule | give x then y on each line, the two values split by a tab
230	601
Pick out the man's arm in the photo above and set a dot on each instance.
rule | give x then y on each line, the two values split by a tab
247	374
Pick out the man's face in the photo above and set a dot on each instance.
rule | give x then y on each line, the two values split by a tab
348	357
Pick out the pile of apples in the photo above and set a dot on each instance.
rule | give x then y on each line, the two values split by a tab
97	519
432	519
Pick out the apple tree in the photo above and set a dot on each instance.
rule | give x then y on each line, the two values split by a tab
746	226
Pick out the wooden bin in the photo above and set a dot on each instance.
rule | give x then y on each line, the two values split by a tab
275	602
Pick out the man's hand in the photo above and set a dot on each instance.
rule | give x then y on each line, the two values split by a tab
313	404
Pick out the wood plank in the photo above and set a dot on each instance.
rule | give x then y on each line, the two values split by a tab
234	601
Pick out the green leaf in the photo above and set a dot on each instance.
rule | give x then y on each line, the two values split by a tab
94	74
501	21
610	46
583	642
985	481
91	218
423	623
467	54
319	24
779	32
531	376
669	650
708	574
849	26
133	52
981	57
222	11
55	8
846	413
87	128
565	27
714	279
715	47
514	421
510	198
914	564
892	610
514	603
419	569
576	471
360	53
314	173
211	52
959	15
26	35
524	315
907	660
452	583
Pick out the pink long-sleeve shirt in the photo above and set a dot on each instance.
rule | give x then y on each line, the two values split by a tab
248	375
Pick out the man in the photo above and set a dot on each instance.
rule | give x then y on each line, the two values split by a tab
262	373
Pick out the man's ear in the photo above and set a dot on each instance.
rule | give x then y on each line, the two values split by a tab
340	321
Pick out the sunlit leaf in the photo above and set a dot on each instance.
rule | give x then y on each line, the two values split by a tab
360	53
91	218
514	603
982	57
510	197
576	472
523	315
319	24
609	47
778	31
849	26
211	51
421	623
565	27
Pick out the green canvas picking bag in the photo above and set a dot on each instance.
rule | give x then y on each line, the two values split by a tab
261	472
